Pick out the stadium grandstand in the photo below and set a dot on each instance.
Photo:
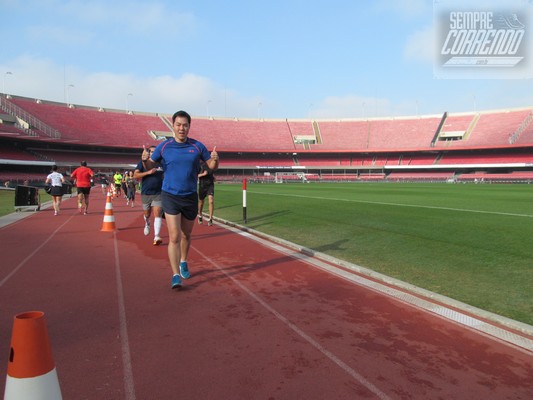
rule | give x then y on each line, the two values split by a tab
481	146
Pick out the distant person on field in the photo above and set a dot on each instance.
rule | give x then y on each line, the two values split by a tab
180	158
123	184
117	180
151	183
206	188
55	180
104	182
83	177
131	188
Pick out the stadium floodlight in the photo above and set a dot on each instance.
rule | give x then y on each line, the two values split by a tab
68	94
4	81
128	102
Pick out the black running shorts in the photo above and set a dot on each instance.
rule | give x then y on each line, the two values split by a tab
206	190
186	205
84	190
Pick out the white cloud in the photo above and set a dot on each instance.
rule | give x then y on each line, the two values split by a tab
350	106
43	79
133	16
59	35
408	8
82	22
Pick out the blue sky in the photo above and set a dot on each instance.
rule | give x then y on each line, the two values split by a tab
293	59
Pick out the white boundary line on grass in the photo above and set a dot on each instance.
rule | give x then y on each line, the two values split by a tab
403	293
396	204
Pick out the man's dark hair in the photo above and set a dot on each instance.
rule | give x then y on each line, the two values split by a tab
84	163
54	168
181	113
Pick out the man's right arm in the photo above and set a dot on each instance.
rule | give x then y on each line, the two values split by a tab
137	174
148	163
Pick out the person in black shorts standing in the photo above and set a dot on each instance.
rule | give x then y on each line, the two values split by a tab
206	188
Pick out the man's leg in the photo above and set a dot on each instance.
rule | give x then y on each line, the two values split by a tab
186	231
211	200
146	214
200	206
80	202
158	222
200	210
174	241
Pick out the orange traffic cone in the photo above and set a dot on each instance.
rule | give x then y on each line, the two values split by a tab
31	372
109	219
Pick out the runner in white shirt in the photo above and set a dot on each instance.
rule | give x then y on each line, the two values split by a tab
55	180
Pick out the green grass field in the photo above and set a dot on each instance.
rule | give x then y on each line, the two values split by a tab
468	242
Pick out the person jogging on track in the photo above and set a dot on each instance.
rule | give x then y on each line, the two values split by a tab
83	179
151	183
180	158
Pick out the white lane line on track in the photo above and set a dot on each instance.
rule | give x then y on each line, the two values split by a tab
397	204
29	257
407	298
354	374
129	386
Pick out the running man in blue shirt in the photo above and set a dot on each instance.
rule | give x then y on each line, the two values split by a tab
180	158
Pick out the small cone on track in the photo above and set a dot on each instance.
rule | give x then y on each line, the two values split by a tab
109	219
31	372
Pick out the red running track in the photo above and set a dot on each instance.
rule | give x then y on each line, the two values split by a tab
251	323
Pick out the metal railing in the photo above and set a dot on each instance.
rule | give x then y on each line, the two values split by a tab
514	136
33	122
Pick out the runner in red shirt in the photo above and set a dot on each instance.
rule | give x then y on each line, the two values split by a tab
83	177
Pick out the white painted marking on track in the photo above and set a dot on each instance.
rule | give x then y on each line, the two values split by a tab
354	374
129	386
444	312
29	257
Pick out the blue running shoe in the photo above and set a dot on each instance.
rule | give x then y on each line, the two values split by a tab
184	270
176	282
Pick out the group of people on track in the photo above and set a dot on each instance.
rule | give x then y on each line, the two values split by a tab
176	177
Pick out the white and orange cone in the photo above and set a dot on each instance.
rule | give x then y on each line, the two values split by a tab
109	218
31	372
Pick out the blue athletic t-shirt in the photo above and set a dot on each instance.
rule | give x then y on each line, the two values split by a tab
151	184
181	163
